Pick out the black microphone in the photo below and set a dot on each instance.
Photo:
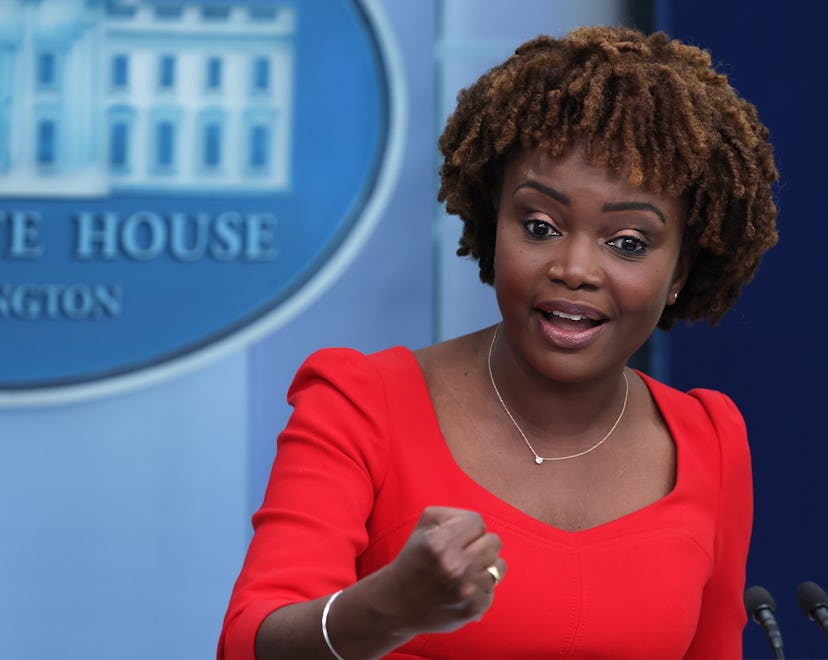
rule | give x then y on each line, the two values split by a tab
813	602
761	608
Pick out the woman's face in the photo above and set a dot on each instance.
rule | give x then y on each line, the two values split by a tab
584	264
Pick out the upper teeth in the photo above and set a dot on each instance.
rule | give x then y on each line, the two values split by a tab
571	317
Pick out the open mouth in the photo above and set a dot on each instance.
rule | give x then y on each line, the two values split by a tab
571	322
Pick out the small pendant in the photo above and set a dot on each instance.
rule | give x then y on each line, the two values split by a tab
538	460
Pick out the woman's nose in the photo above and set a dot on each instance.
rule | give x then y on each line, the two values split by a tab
575	262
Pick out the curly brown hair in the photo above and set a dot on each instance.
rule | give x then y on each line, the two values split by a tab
646	106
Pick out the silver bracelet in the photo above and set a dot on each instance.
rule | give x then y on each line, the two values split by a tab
325	626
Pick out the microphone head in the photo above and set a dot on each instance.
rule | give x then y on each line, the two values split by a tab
810	595
758	598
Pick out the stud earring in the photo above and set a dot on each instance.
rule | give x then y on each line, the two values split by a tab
675	296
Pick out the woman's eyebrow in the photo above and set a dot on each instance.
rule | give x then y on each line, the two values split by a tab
546	190
609	206
634	206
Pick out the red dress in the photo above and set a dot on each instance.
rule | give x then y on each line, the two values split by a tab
362	455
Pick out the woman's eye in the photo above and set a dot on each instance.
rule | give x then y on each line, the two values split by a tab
630	245
538	228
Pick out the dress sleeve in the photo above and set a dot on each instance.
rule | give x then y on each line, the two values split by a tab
311	526
722	618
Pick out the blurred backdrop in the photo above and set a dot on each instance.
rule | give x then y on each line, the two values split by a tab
196	195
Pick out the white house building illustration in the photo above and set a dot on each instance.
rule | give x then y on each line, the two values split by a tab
115	96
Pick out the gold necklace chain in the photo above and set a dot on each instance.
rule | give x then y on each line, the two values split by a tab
538	458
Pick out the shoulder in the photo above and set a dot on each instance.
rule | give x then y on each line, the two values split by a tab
723	412
454	356
717	405
341	405
349	370
704	411
730	429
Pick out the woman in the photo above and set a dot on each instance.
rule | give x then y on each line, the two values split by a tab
609	182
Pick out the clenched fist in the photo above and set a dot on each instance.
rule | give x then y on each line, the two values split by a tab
439	581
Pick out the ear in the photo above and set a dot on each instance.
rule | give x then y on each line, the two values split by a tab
680	275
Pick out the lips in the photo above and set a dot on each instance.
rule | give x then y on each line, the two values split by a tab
570	325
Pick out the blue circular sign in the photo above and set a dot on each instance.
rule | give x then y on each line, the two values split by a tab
179	178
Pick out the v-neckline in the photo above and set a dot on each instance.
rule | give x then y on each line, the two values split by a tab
509	512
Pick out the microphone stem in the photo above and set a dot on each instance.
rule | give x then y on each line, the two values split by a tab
820	616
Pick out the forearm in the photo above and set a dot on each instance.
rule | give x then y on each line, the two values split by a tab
439	581
357	627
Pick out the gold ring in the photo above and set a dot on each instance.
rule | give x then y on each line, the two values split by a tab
492	570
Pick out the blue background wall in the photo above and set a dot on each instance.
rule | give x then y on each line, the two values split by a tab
769	354
125	519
